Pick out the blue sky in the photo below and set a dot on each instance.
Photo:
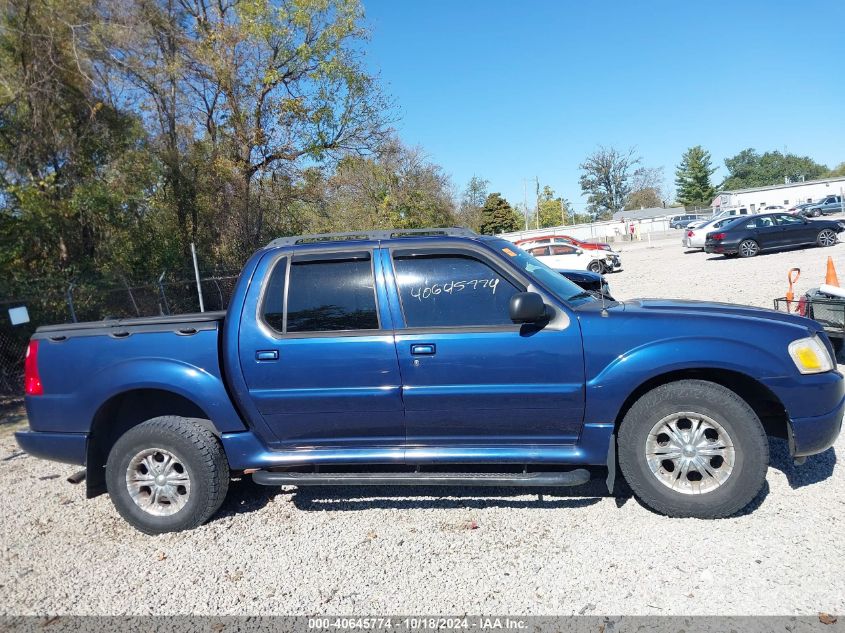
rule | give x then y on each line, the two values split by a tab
512	90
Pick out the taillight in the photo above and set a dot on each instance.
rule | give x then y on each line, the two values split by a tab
32	380
690	233
718	236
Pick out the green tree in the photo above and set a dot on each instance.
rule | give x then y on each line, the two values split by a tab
77	181
836	172
472	200
647	198
268	88
606	180
692	178
397	187
750	169
552	211
498	216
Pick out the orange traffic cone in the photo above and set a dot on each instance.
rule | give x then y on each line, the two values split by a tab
830	278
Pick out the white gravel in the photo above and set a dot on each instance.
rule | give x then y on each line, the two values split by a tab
383	552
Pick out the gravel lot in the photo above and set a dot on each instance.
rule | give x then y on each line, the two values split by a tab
367	551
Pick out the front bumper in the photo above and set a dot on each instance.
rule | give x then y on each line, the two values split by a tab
69	448
809	436
612	262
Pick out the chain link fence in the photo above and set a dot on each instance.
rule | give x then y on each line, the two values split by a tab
95	301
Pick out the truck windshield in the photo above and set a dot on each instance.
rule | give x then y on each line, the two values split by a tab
551	279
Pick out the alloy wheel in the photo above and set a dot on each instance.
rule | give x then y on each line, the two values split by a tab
827	238
158	482
690	453
748	248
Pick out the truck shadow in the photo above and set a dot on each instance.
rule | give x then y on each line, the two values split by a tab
245	496
817	467
343	498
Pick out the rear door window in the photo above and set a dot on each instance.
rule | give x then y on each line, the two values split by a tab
325	293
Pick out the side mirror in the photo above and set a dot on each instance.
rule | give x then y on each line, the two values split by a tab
527	307
804	217
579	251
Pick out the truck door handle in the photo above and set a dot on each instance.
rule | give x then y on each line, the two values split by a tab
423	349
269	354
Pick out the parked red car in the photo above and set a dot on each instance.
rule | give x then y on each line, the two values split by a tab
548	239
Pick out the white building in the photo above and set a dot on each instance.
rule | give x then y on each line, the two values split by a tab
786	195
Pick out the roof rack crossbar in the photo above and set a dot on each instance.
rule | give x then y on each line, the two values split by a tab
382	234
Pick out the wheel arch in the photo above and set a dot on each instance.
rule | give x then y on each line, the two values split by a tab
127	410
760	398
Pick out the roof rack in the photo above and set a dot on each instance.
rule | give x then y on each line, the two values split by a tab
385	234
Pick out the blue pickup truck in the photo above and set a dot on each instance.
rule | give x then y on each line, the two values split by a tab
432	357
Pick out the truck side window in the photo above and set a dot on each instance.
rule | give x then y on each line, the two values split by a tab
273	308
452	291
331	295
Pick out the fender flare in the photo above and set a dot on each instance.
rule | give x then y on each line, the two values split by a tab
608	391
195	384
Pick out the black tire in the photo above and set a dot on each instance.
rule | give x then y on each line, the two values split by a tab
196	451
837	343
724	407
595	266
817	213
751	248
826	237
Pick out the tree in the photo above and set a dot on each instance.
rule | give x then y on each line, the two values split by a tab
750	169
552	211
397	188
472	200
692	178
605	178
498	216
836	172
271	86
647	198
67	209
646	189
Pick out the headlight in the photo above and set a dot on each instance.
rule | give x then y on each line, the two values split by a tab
810	355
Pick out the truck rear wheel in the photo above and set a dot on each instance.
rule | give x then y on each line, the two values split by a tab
693	448
167	474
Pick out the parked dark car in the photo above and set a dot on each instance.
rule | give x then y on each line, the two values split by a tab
748	236
588	280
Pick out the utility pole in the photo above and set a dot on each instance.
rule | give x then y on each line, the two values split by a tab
525	201
537	200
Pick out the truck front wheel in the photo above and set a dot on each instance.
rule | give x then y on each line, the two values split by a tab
693	448
167	474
